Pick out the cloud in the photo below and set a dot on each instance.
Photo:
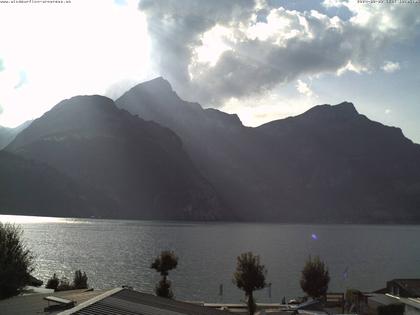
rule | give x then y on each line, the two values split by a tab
1	65
177	29
120	2
350	67
390	67
252	46
303	88
22	79
333	3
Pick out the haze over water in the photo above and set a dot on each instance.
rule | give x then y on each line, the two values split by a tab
116	252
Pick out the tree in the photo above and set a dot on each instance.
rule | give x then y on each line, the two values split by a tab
249	276
16	261
53	282
166	261
315	278
80	280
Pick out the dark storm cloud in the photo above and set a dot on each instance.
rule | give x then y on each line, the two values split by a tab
256	66
305	43
176	27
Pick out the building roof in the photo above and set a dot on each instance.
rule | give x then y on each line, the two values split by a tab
34	303
130	302
387	299
410	285
383	299
412	302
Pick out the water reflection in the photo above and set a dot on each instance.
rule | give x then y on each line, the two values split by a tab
22	219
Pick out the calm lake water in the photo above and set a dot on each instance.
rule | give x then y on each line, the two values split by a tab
115	253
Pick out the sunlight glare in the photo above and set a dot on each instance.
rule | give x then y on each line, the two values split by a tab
214	43
23	219
67	58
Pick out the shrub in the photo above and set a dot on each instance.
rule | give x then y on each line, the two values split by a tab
80	280
32	281
16	260
53	282
64	285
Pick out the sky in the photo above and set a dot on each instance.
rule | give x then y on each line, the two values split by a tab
261	59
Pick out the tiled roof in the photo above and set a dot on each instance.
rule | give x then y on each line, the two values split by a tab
129	302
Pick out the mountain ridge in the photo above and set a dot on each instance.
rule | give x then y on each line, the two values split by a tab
328	164
139	164
265	167
8	134
33	188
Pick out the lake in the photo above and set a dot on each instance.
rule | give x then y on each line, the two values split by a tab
117	252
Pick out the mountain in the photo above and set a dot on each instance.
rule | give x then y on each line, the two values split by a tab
330	164
8	134
140	165
217	142
342	165
152	155
32	188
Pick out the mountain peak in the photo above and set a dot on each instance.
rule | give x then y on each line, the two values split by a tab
347	107
344	110
89	100
159	83
160	80
343	107
83	104
217	115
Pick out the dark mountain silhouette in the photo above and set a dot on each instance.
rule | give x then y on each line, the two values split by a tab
33	188
330	164
140	165
87	157
8	134
217	142
344	166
